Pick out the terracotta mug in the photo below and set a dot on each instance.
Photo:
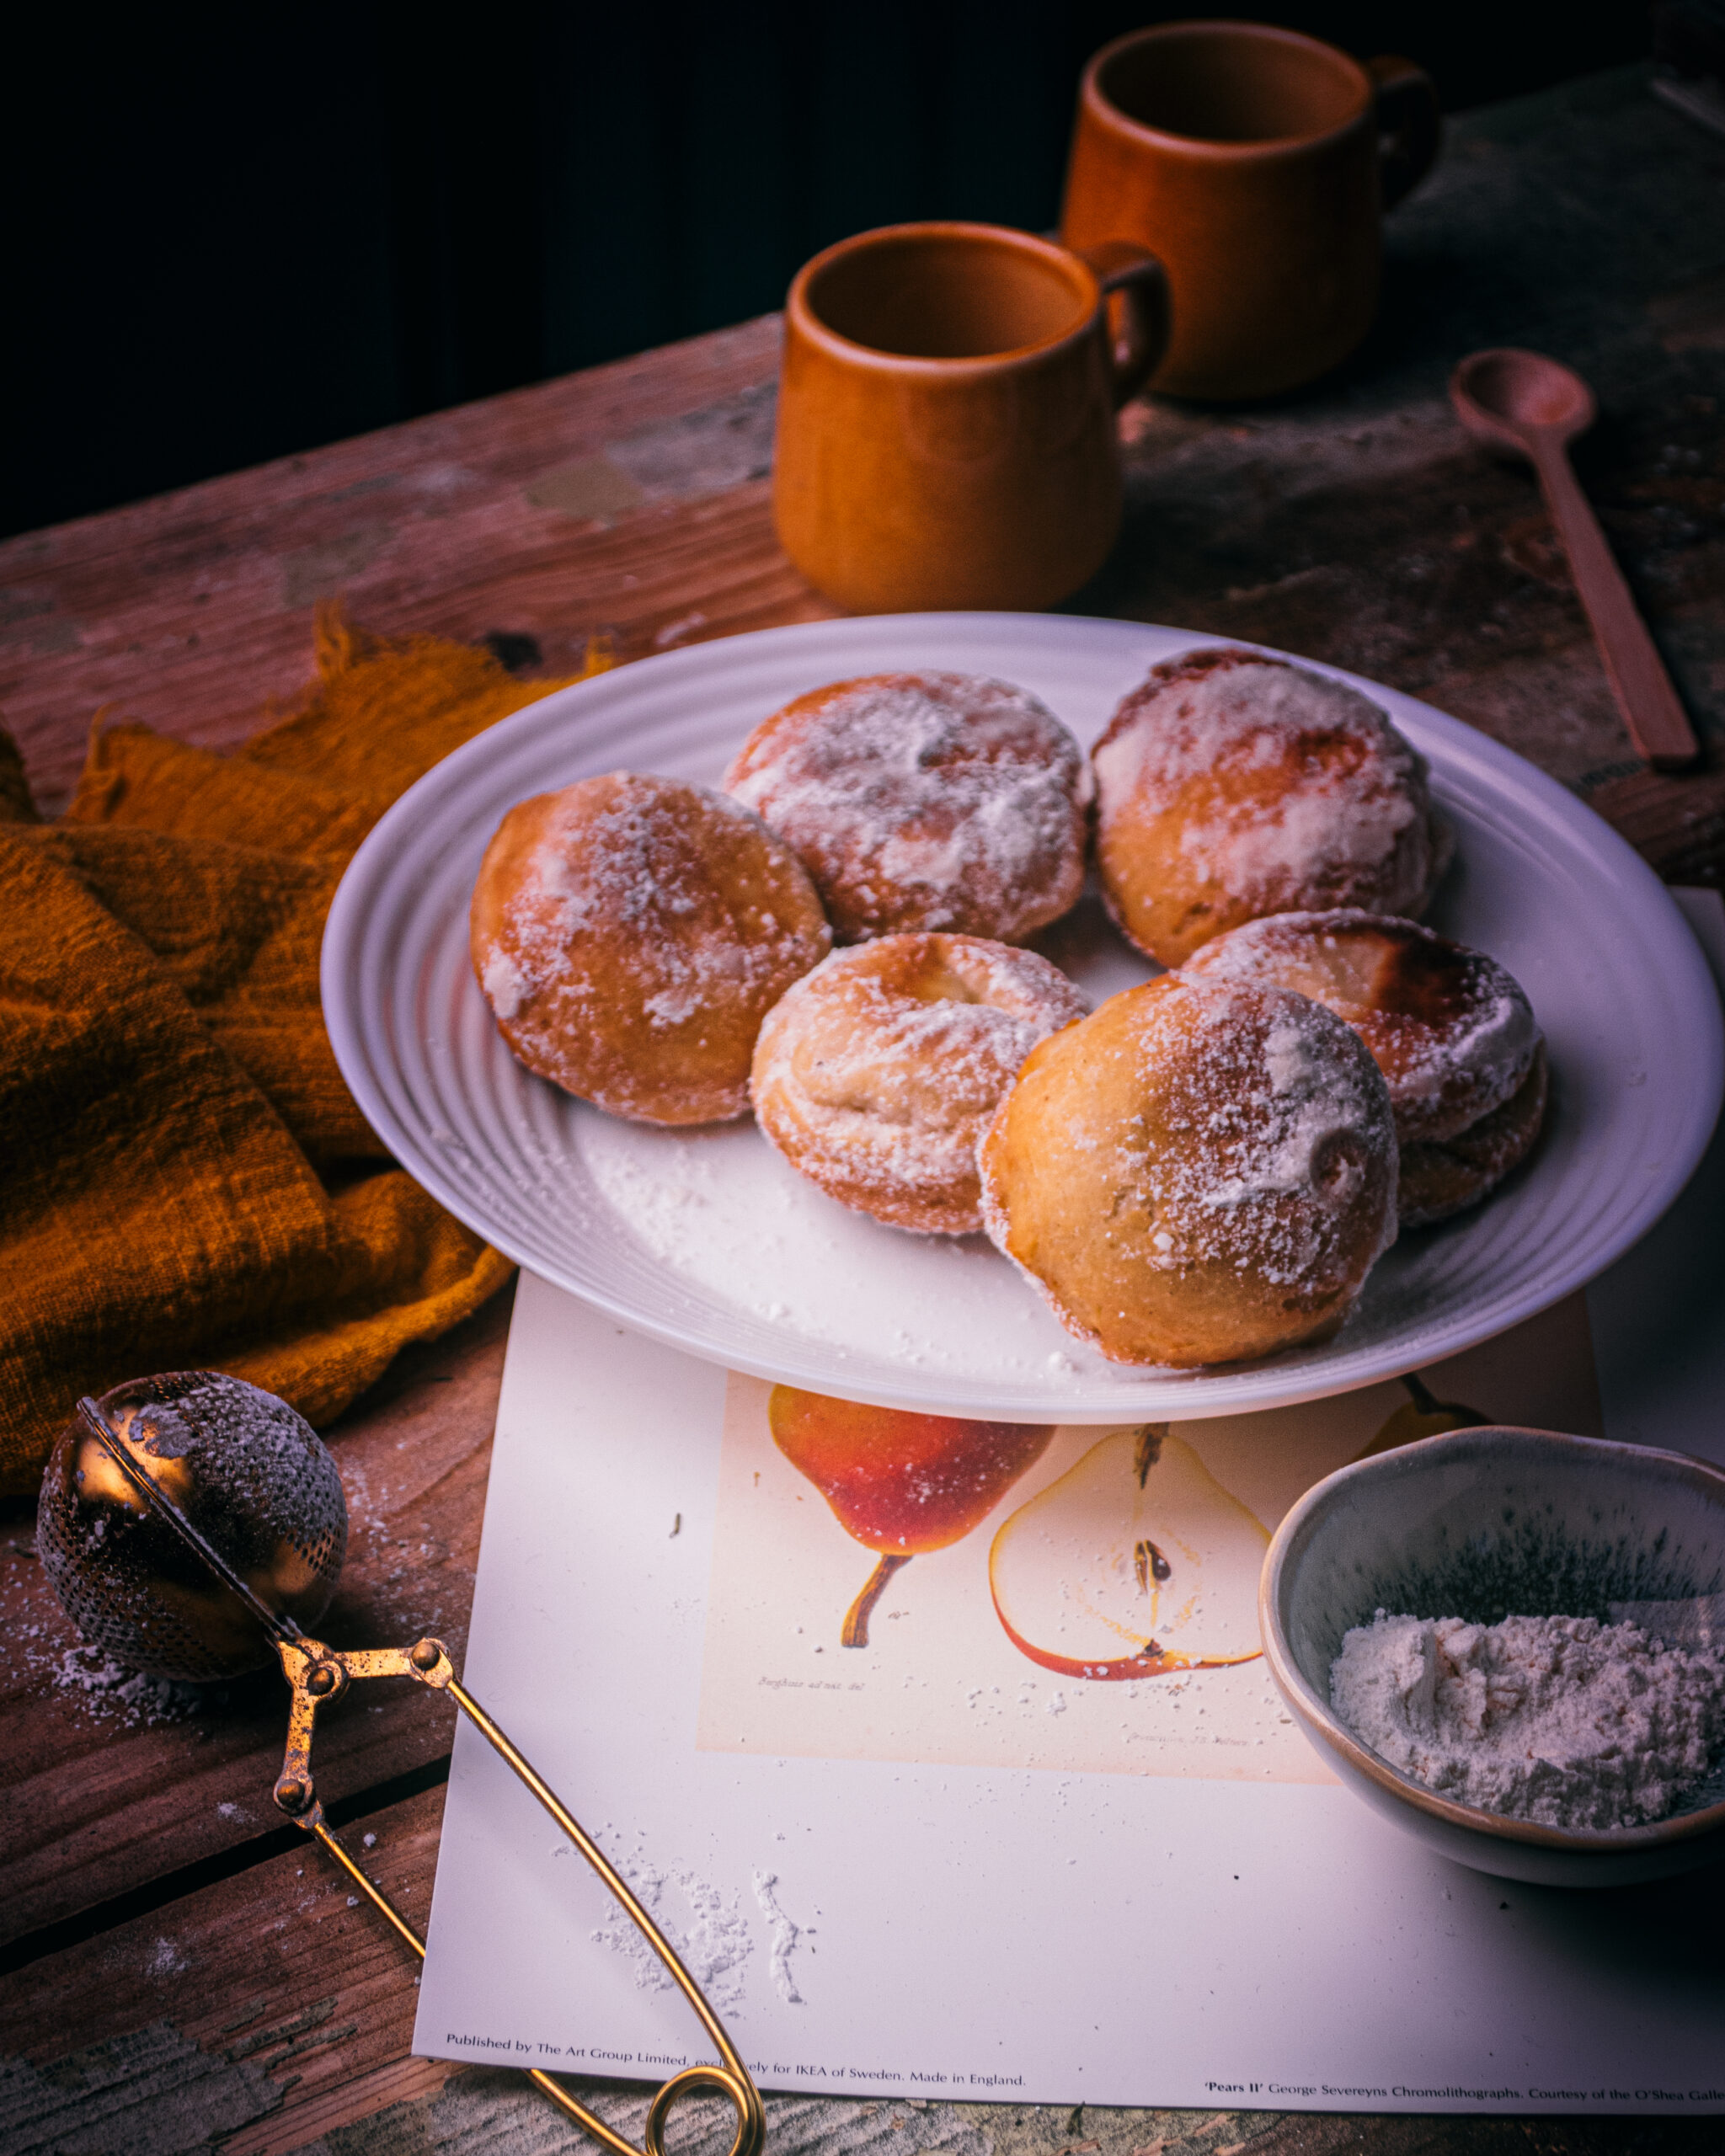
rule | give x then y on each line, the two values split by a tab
1256	162
946	428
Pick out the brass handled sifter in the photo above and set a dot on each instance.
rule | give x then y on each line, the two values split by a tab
182	1512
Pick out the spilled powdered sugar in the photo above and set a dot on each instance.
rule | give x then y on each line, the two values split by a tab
734	1226
785	1935
935	801
1559	1719
138	1700
706	1927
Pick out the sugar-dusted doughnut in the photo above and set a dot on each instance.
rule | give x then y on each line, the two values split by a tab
1230	785
631	933
1442	1176
1452	1031
924	801
1199	1172
877	1073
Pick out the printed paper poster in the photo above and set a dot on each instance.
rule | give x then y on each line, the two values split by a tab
920	1588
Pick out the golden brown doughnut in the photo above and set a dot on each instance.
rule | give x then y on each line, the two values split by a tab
877	1073
1200	1171
1452	1030
1230	785
1441	1176
630	933
924	801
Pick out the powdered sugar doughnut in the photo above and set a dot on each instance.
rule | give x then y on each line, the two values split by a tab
877	1072
1441	1176
924	801
630	933
1229	785
1453	1032
1200	1171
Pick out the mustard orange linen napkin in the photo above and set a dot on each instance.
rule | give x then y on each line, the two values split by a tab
184	1180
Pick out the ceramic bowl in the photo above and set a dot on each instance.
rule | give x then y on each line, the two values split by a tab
1484	1523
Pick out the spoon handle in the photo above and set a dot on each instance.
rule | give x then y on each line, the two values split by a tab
1659	726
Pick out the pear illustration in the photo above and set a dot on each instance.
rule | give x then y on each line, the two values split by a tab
1422	1415
1137	1561
899	1482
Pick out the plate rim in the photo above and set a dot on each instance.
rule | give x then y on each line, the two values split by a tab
348	920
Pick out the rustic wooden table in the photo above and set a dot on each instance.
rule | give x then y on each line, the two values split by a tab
182	1969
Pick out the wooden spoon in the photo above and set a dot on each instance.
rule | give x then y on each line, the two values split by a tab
1526	402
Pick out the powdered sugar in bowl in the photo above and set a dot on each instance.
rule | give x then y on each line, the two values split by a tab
1481	1525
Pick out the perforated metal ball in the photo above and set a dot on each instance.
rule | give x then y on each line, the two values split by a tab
248	1472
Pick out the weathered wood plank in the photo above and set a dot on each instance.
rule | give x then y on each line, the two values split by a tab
268	1990
189	611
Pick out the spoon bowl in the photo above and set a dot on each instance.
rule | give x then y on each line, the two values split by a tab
1506	395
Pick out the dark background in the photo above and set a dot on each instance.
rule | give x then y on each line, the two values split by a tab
235	235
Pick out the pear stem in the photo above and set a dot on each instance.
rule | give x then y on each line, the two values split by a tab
855	1627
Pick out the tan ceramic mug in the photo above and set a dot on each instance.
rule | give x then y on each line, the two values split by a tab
1257	164
945	416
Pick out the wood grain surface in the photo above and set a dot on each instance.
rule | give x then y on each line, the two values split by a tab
183	1970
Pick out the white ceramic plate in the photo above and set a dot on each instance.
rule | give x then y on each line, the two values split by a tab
706	1240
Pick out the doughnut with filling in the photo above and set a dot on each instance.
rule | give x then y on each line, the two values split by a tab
1199	1172
877	1073
630	933
1230	785
924	801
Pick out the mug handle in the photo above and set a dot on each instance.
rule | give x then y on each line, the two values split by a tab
1409	126
1142	283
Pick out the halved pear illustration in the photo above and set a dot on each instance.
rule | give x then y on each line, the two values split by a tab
1137	1561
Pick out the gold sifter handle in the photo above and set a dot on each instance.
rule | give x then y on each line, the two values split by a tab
319	1674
